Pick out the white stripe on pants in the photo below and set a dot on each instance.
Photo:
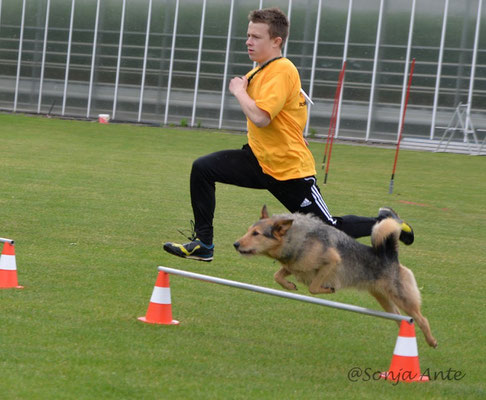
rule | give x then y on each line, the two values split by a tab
316	194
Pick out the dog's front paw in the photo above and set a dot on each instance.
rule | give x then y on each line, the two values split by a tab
287	284
328	290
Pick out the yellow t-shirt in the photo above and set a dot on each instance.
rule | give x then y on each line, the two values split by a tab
280	147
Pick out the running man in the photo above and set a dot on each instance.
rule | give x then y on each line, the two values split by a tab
276	157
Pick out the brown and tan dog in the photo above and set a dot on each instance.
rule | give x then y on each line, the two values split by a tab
326	259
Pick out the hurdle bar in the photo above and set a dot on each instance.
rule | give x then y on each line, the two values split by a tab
288	295
9	241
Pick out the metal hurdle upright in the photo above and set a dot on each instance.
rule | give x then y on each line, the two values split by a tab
288	295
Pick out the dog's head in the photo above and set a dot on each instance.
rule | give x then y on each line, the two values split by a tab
265	236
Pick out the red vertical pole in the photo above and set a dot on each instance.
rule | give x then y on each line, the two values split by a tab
332	126
390	191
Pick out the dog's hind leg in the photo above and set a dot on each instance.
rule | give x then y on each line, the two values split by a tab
326	271
385	302
280	276
422	322
408	299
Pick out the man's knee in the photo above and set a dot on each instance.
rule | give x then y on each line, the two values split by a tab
202	164
327	219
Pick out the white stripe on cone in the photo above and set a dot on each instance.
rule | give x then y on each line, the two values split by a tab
160	295
406	346
7	262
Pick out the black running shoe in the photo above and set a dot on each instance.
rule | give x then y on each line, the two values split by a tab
406	235
194	250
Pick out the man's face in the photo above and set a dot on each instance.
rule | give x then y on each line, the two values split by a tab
260	46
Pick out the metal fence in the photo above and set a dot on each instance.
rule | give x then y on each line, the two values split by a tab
170	61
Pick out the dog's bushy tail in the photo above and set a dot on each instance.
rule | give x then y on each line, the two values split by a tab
384	238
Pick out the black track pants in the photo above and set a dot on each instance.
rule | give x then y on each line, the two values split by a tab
241	168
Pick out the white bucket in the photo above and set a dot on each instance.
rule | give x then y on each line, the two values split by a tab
103	118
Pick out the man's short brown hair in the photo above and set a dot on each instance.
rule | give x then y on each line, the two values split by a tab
278	24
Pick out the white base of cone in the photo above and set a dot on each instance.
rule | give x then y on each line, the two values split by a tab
13	287
173	322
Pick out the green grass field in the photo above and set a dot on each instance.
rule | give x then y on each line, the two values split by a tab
89	207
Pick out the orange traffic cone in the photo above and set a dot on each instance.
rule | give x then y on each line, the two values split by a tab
160	308
405	365
8	266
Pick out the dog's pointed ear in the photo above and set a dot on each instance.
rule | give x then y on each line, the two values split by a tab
264	213
280	227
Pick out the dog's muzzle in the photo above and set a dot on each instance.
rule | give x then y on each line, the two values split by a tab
237	247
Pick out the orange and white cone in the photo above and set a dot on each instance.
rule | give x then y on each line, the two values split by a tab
160	307
8	266
405	366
